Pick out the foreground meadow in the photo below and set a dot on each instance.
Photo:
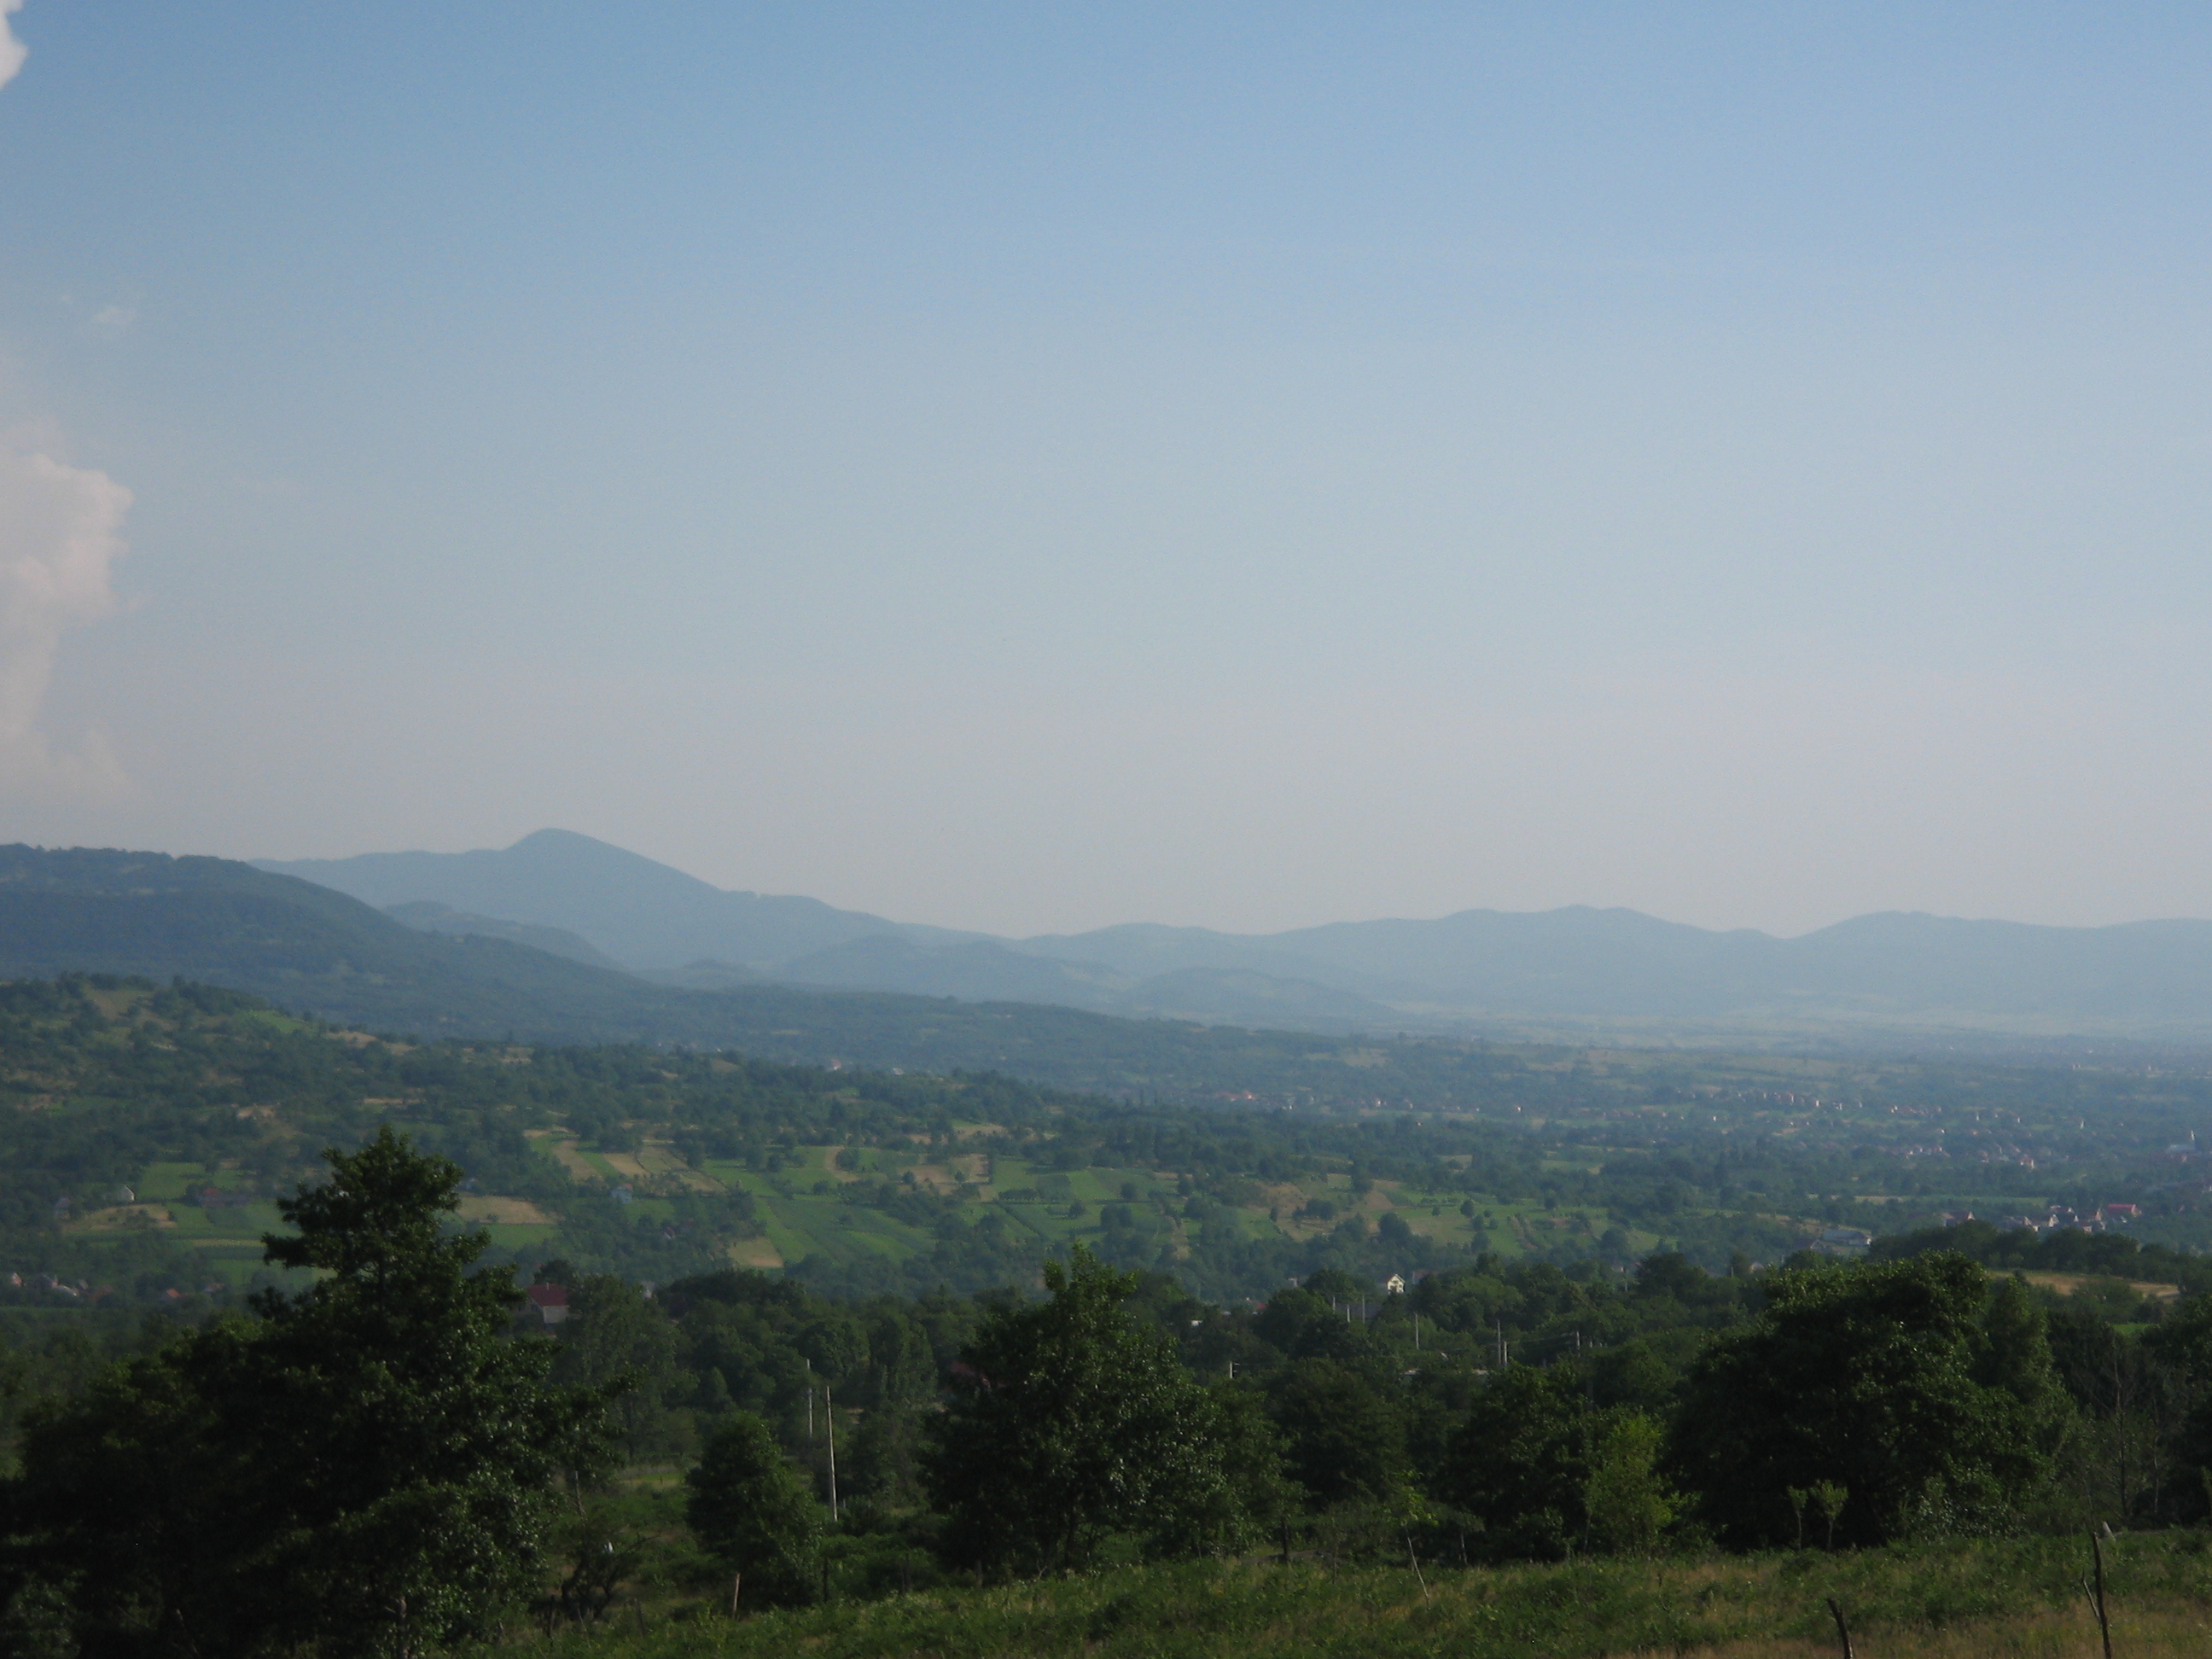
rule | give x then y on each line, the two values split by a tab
1960	1600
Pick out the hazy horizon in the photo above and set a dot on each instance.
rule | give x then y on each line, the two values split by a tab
1236	467
955	923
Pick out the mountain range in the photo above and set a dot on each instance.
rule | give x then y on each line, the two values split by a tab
1575	971
591	902
1246	1019
307	948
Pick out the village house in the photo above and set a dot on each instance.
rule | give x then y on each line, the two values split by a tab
545	1306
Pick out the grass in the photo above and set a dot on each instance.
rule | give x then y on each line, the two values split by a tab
597	1164
1960	1600
801	1226
164	1183
243	1225
516	1235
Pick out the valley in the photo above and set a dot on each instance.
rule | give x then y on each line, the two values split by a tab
656	1162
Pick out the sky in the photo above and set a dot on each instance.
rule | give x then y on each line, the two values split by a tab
1034	467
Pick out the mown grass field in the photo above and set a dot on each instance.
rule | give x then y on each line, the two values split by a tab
1960	1600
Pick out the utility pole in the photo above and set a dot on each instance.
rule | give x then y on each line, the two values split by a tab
829	1419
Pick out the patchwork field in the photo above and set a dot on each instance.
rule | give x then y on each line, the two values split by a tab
804	1205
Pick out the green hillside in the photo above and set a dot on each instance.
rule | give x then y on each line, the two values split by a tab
204	1105
151	1129
298	945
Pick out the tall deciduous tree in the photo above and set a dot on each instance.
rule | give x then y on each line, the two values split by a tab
1626	1497
1521	1461
1070	1422
616	1340
361	1467
1344	1436
749	1505
1905	1383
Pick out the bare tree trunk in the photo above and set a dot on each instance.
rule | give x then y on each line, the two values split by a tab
2123	1403
2104	1626
1842	1629
829	1420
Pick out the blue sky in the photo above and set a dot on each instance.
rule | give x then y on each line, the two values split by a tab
1036	467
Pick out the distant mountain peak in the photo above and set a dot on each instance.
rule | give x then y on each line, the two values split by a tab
645	915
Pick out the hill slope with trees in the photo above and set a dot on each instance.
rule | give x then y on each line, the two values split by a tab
379	1461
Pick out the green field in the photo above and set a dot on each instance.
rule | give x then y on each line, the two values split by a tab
164	1183
519	1235
1964	1600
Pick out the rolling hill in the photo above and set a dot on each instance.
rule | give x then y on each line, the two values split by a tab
309	949
643	914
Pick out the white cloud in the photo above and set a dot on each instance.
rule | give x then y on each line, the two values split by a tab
12	50
60	532
59	535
